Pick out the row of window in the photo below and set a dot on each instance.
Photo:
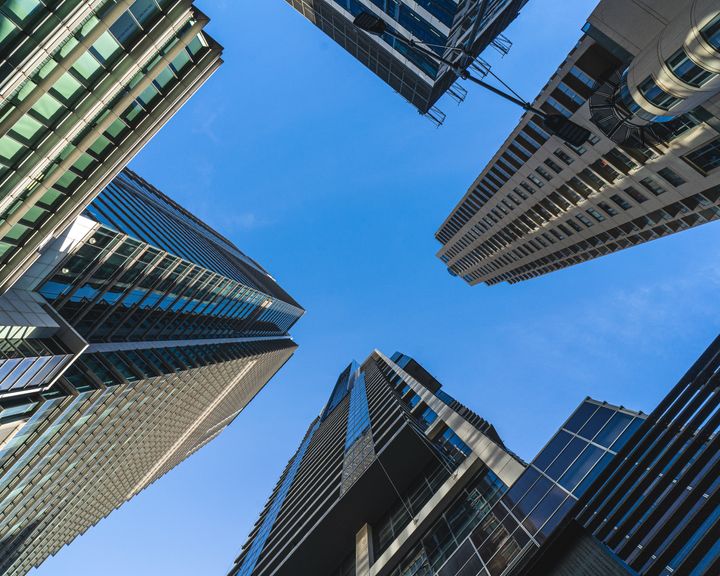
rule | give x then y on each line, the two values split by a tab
147	215
535	180
563	199
691	211
454	525
684	69
517	153
115	287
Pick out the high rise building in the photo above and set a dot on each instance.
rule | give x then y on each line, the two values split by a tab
646	80
83	86
134	339
441	24
398	478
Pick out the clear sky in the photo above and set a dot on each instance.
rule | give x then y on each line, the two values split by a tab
318	170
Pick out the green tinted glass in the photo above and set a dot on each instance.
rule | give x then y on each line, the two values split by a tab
27	127
106	46
67	86
86	66
22	8
47	106
9	148
6	28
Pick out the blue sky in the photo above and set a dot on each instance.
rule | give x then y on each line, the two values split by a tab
318	170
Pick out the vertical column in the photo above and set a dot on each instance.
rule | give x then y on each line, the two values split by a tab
363	551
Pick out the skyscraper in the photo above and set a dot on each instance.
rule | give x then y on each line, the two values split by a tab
83	86
654	509
134	339
441	24
397	478
646	81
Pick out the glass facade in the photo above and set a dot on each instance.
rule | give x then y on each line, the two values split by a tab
250	560
523	517
149	334
68	120
380	455
439	24
115	286
705	158
656	506
358	414
453	526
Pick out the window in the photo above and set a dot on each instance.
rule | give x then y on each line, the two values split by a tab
579	150
620	201
570	93
620	160
527	187
22	9
609	210
711	32
559	107
656	95
544	173
635	194
564	156
574	226
671	176
565	230
520	193
414	401
585	220
706	158
593	138
584	78
7	29
595	214
592	179
687	71
428	416
535	180
553	166
652	185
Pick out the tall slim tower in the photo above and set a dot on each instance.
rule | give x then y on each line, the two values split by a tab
397	478
646	80
442	24
386	457
83	86
134	339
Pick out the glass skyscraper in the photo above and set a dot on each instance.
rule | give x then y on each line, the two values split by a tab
391	478
83	86
442	24
134	339
397	478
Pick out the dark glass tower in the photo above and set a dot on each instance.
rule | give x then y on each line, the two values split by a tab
135	338
442	24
